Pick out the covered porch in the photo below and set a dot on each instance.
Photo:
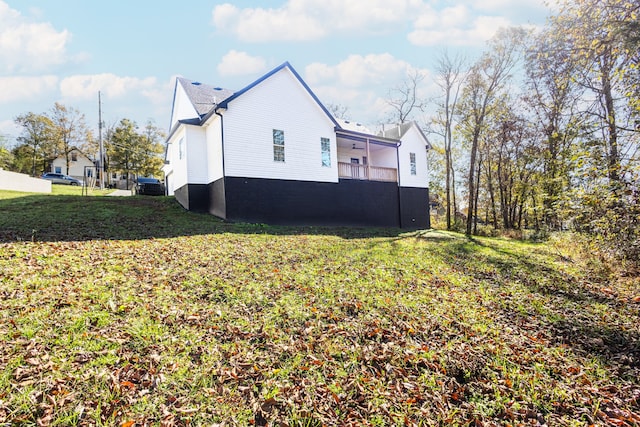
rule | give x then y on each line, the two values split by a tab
366	157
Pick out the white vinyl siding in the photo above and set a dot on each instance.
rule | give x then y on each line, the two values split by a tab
413	143
177	167
182	106
192	167
278	102
196	155
214	149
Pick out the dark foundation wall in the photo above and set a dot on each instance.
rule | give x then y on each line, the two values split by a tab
193	197
414	208
349	202
217	199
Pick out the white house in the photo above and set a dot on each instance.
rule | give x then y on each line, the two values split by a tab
79	165
272	153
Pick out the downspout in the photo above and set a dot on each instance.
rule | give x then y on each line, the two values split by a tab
221	138
224	175
399	199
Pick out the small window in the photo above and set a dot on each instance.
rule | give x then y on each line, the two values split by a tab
325	148
74	157
58	169
278	145
180	148
412	161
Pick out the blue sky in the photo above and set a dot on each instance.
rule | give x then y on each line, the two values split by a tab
350	52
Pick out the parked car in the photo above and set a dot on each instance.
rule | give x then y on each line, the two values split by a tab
59	178
149	187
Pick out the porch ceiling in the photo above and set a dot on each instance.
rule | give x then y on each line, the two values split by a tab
349	144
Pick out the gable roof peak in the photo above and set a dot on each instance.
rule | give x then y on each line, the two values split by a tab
203	97
287	65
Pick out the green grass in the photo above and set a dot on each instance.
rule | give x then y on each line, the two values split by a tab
118	311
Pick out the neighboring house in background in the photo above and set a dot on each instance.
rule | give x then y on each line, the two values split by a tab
120	180
272	153
80	166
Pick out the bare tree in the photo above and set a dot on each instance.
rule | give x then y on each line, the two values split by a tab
450	78
404	99
486	79
339	111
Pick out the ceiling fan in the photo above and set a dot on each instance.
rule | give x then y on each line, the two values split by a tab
356	148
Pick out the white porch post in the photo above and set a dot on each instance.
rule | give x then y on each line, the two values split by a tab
368	161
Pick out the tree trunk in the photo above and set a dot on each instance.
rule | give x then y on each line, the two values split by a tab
492	196
448	185
472	179
475	202
612	151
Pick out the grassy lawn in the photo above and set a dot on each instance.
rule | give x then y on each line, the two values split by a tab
132	311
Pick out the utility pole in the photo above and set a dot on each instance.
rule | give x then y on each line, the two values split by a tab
101	164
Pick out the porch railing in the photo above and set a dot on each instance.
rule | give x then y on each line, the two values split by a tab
367	173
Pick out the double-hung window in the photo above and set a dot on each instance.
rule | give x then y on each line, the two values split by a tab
325	148
278	145
412	161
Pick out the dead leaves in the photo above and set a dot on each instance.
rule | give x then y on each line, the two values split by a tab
240	329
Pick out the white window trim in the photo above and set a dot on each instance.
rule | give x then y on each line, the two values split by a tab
413	167
325	142
278	146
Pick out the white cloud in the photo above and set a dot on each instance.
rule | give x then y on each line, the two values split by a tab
29	46
455	26
434	22
22	88
358	70
498	6
360	83
112	86
300	20
236	63
9	131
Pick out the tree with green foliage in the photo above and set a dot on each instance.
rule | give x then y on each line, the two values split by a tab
486	80
70	131
152	146
134	152
6	157
603	199
36	142
553	97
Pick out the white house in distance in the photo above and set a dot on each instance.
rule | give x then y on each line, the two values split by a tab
79	165
272	153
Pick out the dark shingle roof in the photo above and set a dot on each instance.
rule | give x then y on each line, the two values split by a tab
202	96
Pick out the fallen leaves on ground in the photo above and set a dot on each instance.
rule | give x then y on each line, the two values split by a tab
315	329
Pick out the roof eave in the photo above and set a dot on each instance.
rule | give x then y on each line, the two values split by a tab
354	134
